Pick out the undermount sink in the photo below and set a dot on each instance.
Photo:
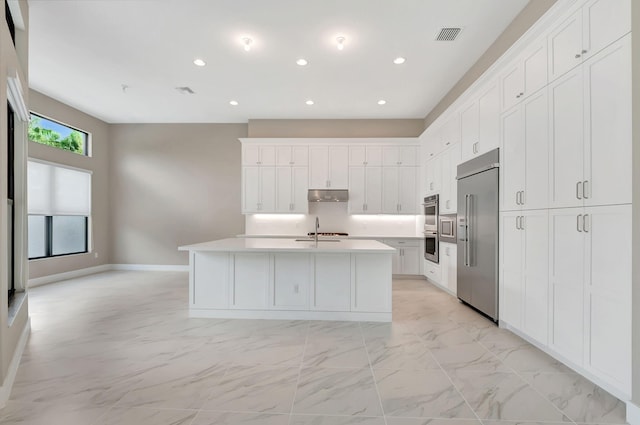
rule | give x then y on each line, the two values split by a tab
319	240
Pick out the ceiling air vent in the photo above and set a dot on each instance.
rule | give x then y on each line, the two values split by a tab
185	90
448	34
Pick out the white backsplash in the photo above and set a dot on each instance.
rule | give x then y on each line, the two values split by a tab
333	217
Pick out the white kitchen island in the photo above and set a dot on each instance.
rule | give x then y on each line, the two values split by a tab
258	278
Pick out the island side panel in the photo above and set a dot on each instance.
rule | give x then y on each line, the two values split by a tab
291	281
371	288
332	282
209	280
251	281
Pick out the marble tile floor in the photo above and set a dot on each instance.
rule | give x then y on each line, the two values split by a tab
119	348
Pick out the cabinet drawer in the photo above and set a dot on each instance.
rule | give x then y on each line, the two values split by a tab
432	271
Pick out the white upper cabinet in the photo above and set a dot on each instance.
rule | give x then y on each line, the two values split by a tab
258	155
292	155
607	127
365	155
480	124
434	175
525	160
292	184
259	189
525	76
329	167
403	156
589	30
365	190
441	174
399	190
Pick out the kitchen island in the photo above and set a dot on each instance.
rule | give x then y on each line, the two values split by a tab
261	278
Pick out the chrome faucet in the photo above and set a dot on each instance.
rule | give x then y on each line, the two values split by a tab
317	228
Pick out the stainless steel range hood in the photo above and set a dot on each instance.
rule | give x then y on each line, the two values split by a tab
328	195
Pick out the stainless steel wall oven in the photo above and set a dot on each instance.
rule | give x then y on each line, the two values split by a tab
431	251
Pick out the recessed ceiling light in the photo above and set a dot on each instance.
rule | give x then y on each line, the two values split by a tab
247	42
302	62
399	60
233	103
309	102
382	102
340	42
199	62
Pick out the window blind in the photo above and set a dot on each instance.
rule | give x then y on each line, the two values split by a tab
58	190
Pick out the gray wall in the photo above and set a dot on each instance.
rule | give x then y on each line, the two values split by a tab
97	162
172	184
336	128
521	23
635	40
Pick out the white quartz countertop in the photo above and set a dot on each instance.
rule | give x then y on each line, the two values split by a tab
420	237
289	245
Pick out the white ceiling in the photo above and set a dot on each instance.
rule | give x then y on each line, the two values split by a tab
82	52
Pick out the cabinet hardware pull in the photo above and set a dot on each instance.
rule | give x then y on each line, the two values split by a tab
521	93
584	51
578	222
365	163
578	190
517	198
399	207
291	162
517	222
448	143
586	223
522	222
578	55
585	191
522	197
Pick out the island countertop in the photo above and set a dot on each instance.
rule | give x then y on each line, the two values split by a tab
290	245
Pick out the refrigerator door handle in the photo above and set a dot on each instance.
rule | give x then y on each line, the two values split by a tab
467	199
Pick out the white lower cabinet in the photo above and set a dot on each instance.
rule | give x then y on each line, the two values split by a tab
449	266
590	276
250	283
209	280
432	271
406	259
524	273
366	296
332	283
291	281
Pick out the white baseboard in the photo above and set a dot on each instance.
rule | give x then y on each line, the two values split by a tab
5	388
633	413
290	315
151	267
67	275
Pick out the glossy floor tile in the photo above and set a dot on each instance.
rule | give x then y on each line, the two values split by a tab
119	348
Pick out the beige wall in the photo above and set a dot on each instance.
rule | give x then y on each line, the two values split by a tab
521	23
172	184
97	163
12	59
336	128
635	40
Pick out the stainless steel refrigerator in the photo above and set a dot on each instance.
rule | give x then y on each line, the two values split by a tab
478	181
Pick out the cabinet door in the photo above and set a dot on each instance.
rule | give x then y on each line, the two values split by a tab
284	155
429	172
534	66
535	113
250	287
451	253
357	190
450	133
268	189
338	167
373	156
390	185
250	155
536	274
408	156
407	200
250	189
373	190
445	182
411	259
455	160
390	156
566	274
357	155
210	279
267	155
318	167
300	189
434	173
513	161
604	22
371	290
512	266
565	46
608	293
284	184
489	120
300	155
396	257
512	85
291	281
608	169
566	145
469	130
332	283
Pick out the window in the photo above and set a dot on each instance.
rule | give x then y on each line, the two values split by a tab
51	133
59	209
10	199
10	24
